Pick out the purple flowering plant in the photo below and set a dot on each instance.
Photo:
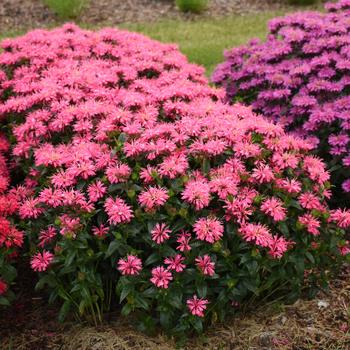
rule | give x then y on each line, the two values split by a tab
300	77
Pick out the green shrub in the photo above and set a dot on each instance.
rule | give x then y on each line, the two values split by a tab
66	8
195	6
303	2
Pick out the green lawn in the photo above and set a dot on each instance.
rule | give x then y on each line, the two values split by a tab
203	41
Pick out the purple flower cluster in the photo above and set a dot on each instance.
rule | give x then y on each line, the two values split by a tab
300	77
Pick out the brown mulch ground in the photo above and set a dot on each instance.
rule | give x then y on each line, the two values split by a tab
18	15
319	324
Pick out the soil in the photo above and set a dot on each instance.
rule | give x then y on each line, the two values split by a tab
319	324
20	15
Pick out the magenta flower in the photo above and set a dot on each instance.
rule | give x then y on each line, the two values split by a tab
41	261
175	263
208	229
160	233
274	208
118	211
132	265
161	277
153	198
197	306
205	264
3	287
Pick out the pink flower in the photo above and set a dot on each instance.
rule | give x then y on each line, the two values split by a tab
208	229
197	192
257	233
118	211
175	263
96	191
274	208
30	208
41	261
100	231
197	306
46	236
118	173
132	265
205	264
341	217
263	173
161	277
311	223
154	197
183	239
3	287
160	233
289	185
278	246
309	201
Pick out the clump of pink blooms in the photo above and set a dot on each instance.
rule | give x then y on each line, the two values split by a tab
300	77
131	156
10	237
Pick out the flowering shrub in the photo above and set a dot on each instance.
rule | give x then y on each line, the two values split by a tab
300	77
139	178
10	237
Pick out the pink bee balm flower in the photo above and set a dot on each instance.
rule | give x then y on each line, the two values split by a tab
208	229
118	173
184	239
175	263
100	231
41	261
274	208
197	192
132	265
310	201
197	306
341	217
118	211
160	233
311	223
205	264
46	236
161	277
96	191
154	197
279	246
257	233
263	174
3	287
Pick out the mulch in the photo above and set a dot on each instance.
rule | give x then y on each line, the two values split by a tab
20	15
319	324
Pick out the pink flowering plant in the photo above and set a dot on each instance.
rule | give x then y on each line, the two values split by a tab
143	188
300	77
11	239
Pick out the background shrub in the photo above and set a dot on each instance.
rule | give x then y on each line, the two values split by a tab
67	9
195	6
303	2
141	180
299	77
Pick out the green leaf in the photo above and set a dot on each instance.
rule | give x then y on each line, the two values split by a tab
127	289
113	247
4	301
65	308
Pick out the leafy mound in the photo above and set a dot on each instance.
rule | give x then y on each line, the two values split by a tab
140	178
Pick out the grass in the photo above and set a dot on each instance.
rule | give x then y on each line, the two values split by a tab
202	41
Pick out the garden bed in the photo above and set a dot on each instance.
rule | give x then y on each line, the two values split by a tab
16	15
321	323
